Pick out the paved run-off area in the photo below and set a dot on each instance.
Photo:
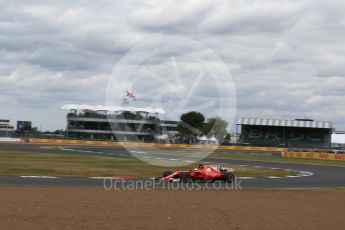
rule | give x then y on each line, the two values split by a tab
26	207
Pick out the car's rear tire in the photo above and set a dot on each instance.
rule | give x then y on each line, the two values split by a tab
185	177
167	173
229	177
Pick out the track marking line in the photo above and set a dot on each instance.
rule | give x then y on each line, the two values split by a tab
140	152
100	177
146	157
305	173
40	177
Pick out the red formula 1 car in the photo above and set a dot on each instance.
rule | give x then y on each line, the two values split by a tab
202	173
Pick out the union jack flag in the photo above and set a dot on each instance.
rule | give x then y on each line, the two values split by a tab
131	95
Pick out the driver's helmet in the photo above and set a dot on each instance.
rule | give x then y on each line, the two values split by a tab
201	166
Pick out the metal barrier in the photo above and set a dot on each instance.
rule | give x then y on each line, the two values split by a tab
315	155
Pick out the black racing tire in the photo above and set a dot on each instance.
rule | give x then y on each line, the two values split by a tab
229	177
167	173
185	177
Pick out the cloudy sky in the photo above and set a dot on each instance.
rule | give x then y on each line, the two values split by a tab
286	58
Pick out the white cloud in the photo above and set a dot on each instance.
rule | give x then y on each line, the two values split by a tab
251	16
286	56
282	52
171	15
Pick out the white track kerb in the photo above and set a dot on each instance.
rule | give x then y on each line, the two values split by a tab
176	75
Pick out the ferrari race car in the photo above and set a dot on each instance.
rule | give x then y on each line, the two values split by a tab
202	173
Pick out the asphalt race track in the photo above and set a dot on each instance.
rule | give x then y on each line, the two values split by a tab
320	175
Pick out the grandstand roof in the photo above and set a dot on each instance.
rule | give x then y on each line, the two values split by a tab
303	123
113	108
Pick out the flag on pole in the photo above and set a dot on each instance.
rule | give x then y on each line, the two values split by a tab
125	101
131	95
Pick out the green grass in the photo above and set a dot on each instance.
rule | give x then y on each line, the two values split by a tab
77	164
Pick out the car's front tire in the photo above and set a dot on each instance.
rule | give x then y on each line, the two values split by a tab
229	177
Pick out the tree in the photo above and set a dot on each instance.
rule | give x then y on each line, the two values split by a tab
217	127
34	130
59	132
227	137
191	123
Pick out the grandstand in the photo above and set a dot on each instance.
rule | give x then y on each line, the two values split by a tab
298	133
6	130
121	124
